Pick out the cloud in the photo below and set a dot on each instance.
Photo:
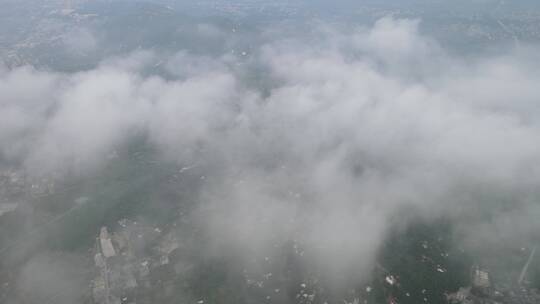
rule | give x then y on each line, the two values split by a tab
354	129
23	111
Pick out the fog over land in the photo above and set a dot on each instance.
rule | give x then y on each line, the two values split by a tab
333	140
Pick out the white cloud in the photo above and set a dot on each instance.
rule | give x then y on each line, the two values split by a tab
357	127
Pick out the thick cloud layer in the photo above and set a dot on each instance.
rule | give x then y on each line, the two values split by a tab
355	128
